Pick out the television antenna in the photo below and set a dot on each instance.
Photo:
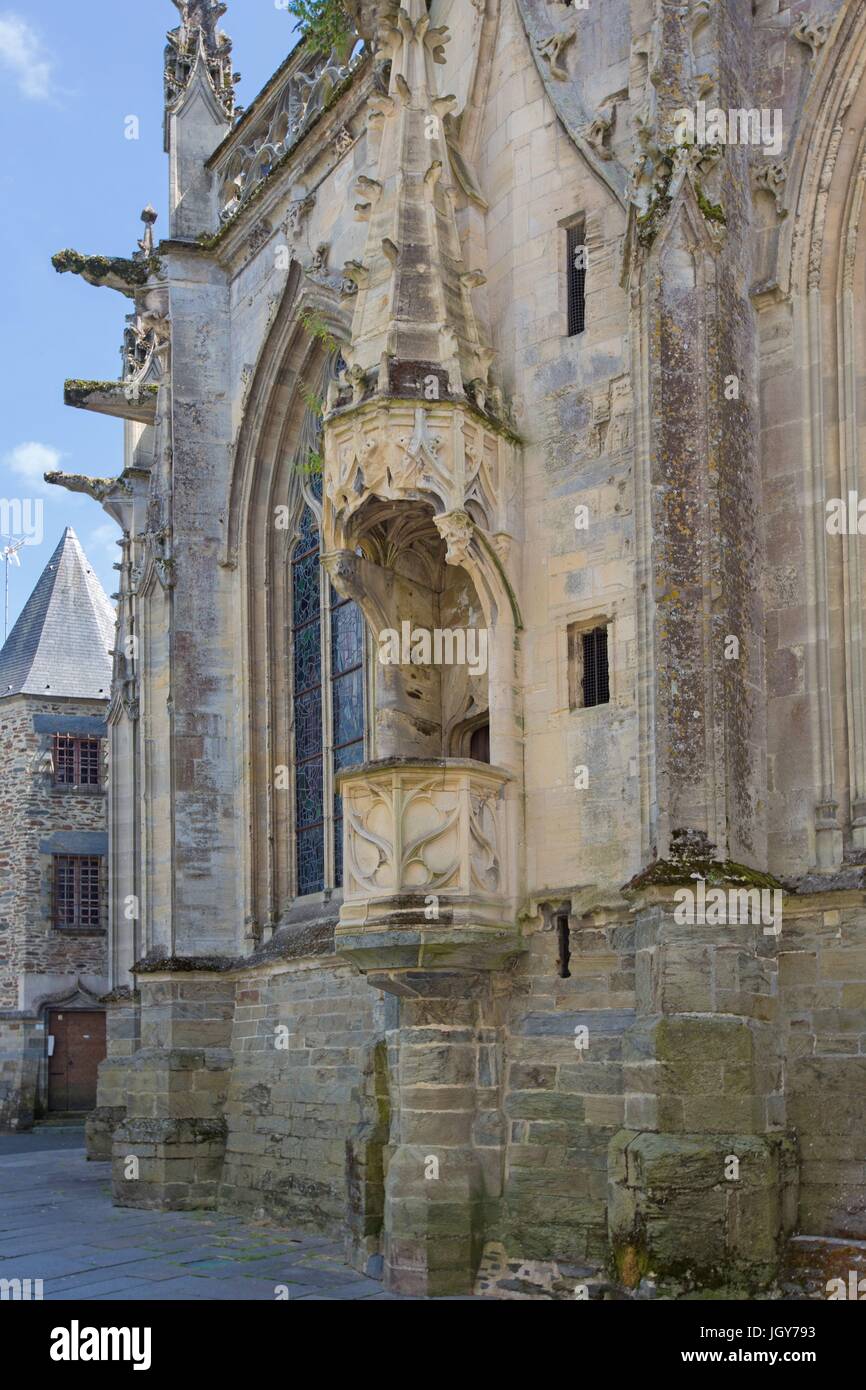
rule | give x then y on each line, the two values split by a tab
9	554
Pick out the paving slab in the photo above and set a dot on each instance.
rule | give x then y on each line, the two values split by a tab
58	1224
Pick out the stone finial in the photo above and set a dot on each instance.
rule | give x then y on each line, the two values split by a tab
299	211
149	217
369	16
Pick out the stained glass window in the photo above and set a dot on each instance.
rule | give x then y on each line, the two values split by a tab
327	656
347	702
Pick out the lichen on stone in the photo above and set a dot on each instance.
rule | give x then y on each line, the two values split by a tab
114	272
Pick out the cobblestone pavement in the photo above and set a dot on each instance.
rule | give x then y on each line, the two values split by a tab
57	1224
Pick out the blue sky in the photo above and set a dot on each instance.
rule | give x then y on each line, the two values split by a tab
71	74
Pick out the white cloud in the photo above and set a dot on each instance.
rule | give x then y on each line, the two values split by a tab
29	461
22	54
104	539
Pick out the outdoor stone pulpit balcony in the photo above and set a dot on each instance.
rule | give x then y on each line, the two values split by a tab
429	865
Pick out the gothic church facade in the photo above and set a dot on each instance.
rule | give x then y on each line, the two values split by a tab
477	603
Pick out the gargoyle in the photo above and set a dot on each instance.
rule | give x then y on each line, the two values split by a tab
97	488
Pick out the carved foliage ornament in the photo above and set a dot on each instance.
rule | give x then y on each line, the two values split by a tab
425	821
424	825
456	530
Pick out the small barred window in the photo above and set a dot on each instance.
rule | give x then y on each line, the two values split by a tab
76	890
596	676
588	667
576	261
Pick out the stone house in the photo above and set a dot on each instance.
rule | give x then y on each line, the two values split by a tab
55	681
470	330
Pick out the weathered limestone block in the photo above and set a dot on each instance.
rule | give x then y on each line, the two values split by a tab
21	1043
674	1212
367	1156
123	1027
702	1183
175	1130
448	1135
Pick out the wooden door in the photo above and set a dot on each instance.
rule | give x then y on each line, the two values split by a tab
79	1047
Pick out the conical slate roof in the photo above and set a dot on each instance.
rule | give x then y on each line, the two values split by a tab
59	647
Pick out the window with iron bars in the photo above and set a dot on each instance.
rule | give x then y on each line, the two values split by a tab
596	673
77	890
576	262
588	667
76	761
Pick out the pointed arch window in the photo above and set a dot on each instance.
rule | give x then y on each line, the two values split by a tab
328	709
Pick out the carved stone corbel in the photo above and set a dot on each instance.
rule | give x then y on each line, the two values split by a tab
812	33
771	178
551	50
597	131
457	530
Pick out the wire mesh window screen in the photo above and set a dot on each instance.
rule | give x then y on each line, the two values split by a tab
596	673
576	257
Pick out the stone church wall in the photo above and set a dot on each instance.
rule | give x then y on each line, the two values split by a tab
302	1040
822	1012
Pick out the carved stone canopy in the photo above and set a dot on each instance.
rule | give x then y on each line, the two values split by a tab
198	34
201	15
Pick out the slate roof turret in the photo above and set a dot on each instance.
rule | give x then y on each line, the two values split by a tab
60	646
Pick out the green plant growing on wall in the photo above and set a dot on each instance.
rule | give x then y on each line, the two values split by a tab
324	24
312	401
315	325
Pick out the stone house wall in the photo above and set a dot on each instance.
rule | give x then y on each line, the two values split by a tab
38	819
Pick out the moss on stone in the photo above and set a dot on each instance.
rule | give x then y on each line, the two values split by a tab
116	272
649	223
716	872
713	212
631	1263
77	393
